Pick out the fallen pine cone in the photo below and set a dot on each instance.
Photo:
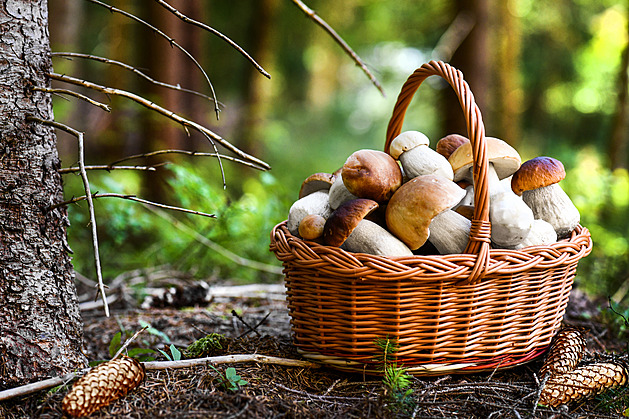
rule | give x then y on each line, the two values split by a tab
582	382
565	353
102	385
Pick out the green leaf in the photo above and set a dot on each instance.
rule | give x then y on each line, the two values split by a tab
176	353
114	344
153	331
165	354
626	413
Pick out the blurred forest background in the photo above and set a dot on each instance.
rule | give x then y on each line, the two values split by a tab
550	78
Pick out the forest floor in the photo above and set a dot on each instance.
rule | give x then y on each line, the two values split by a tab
258	323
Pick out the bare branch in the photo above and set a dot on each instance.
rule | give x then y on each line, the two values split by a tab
189	153
215	32
161	365
75	94
229	359
313	15
131	198
75	169
128	342
70	55
169	114
170	40
90	203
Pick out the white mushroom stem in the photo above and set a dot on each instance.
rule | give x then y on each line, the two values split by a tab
339	194
552	204
315	203
511	219
423	160
450	232
369	237
542	233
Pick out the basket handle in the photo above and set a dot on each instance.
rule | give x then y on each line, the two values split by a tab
480	232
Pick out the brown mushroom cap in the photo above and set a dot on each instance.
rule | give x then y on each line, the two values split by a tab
414	205
316	182
345	218
448	144
371	174
537	173
506	159
311	226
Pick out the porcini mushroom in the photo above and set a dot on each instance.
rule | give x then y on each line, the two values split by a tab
449	143
311	226
537	181
371	174
348	228
412	149
339	193
420	210
511	219
316	182
314	203
542	233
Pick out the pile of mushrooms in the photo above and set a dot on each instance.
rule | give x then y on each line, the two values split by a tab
416	200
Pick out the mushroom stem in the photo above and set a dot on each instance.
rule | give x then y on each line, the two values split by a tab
449	232
369	237
552	204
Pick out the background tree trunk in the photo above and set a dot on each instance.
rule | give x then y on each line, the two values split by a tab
40	323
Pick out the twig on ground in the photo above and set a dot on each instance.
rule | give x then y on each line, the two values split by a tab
249	327
90	204
165	112
128	341
229	359
319	21
170	40
215	32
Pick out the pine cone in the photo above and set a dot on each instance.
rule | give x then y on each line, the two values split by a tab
565	352
102	385
582	382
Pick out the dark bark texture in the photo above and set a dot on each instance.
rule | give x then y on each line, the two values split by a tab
40	323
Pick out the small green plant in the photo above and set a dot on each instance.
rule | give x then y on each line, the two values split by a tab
396	380
175	354
231	380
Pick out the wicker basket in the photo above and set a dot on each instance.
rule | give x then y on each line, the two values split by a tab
484	309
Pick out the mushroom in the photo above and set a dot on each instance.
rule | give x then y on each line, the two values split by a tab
542	233
315	203
339	193
316	182
411	149
511	219
348	228
449	143
311	227
537	181
371	174
420	210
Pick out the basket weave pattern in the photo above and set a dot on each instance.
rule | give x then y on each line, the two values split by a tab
480	310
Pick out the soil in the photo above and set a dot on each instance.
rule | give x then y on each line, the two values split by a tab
260	325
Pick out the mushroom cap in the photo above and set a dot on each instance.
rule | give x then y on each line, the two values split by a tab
345	218
414	205
316	182
405	141
311	226
448	144
371	174
506	159
537	173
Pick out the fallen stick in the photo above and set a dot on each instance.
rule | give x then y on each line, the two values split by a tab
161	365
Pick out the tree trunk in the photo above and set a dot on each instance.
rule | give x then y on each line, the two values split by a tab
40	323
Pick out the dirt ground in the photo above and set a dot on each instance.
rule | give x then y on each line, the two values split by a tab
259	324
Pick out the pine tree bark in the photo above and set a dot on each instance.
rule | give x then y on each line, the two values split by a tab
40	323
